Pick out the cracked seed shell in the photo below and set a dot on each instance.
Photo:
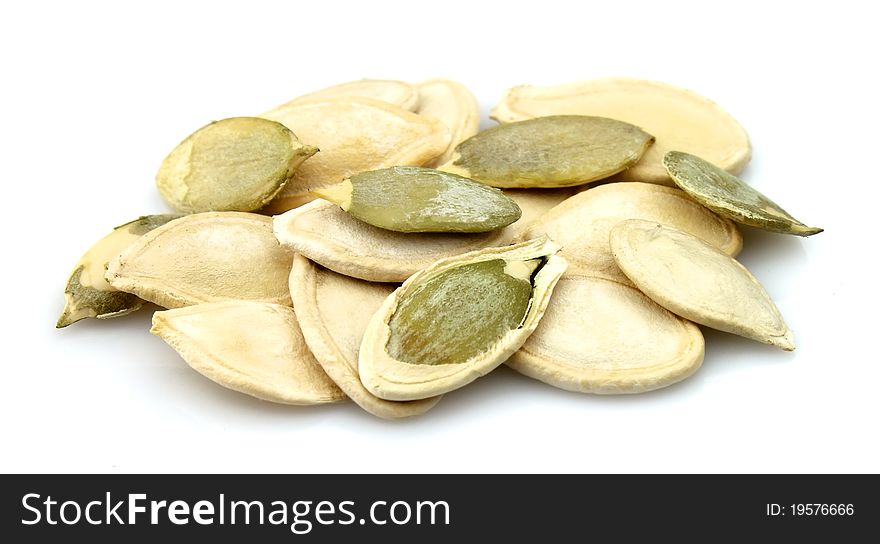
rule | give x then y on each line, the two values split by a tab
333	311
87	293
457	320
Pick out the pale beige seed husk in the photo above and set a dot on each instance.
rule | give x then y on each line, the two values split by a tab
691	278
326	234
255	348
397	93
353	135
333	311
332	238
679	119
583	223
392	379
205	257
90	295
601	336
453	104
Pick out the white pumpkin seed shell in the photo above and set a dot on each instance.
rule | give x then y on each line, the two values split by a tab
729	196
255	348
693	279
601	336
582	224
327	235
678	118
354	135
457	320
333	311
205	257
397	93
454	105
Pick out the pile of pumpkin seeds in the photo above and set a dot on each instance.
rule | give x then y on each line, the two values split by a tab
366	242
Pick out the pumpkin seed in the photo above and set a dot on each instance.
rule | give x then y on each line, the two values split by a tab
454	105
534	203
680	119
458	319
205	257
333	311
397	93
327	235
729	196
600	336
693	279
414	199
583	222
354	135
236	164
267	358
556	151
87	293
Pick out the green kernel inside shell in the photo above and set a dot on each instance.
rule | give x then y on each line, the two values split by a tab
461	312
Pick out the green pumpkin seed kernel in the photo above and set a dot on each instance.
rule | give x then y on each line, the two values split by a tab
87	293
729	196
554	151
237	164
414	199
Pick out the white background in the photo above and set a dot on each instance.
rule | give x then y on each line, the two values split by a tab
95	94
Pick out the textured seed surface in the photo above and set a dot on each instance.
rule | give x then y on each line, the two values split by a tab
456	320
692	279
414	199
556	151
333	311
354	135
439	323
327	235
397	93
236	164
600	336
205	257
678	118
729	196
87	293
252	347
582	223
454	105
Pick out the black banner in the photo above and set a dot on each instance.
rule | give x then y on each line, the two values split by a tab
429	508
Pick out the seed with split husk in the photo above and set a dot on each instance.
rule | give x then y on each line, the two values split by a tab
397	93
582	223
454	105
87	293
457	320
333	311
729	196
600	336
205	257
354	135
680	119
692	279
236	164
556	151
251	347
414	199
